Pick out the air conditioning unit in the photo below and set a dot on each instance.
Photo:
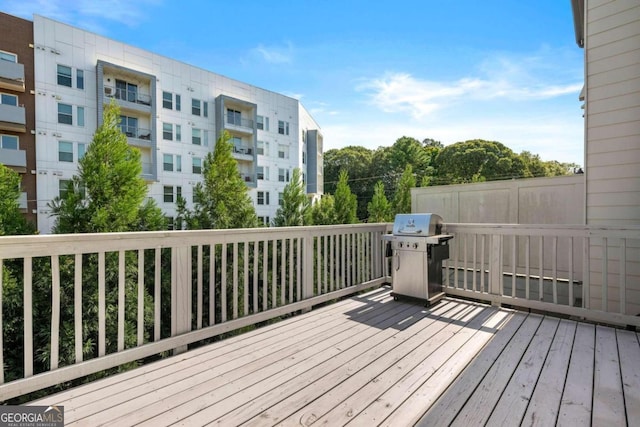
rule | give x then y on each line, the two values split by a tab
108	91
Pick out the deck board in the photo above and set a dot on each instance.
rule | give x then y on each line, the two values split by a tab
369	360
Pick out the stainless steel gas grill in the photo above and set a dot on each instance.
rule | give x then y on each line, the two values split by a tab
418	248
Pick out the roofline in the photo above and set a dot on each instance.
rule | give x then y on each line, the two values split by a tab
578	20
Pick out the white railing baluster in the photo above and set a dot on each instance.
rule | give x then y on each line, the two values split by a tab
121	302
235	280
482	241
291	270
283	271
28	317
299	262
475	263
570	260
343	262
256	254
199	292
223	284
140	323
456	256
605	274
541	270
265	275
527	266
245	299
465	265
157	291
623	275
274	275
325	261
212	284
586	273
1	322
514	265
55	311
554	268
102	307
77	307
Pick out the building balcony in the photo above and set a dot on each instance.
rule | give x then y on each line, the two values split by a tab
248	178
243	153
12	118
241	124
127	99
138	137
22	201
15	159
352	356
12	76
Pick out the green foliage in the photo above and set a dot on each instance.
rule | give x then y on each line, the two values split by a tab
295	203
222	199
11	220
379	207
323	212
346	203
402	199
108	194
358	161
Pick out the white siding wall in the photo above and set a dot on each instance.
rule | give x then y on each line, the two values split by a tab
612	126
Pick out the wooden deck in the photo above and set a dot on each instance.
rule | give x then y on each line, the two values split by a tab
369	360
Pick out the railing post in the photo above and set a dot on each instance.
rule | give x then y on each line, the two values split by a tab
307	267
180	293
495	273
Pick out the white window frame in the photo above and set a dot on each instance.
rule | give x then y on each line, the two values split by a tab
10	96
4	137
61	153
5	55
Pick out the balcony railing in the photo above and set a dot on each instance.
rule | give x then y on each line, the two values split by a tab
247	177
127	95
136	132
241	122
240	149
79	304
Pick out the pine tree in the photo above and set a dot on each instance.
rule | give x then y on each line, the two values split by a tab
402	198
295	203
108	194
323	212
379	207
346	202
11	220
222	199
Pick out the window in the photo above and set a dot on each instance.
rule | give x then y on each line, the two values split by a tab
205	108
283	127
126	91
283	152
196	136
167	163
263	172
167	131
178	133
178	192
64	75
65	151
196	165
304	136
304	157
65	114
304	178
9	142
280	199
167	100
177	102
80	116
263	148
234	117
195	107
170	222
6	56
205	138
283	175
262	123
169	160
80	79
263	197
82	149
129	126
64	185
168	194
8	99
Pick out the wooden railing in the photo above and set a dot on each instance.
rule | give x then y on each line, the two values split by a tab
79	304
590	272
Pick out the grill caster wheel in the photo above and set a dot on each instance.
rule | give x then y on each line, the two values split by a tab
395	298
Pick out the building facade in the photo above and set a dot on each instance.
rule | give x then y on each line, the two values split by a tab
171	111
17	107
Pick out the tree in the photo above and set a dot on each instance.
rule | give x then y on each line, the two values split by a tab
323	212
358	161
108	194
11	220
295	203
222	200
379	207
402	198
346	203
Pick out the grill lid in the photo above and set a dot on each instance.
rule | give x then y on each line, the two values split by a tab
424	224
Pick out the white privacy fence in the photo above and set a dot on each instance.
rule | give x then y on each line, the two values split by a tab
74	305
590	272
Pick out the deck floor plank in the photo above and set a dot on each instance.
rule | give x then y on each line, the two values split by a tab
545	402
629	351
608	397
369	360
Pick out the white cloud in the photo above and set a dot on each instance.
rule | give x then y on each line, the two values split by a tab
525	79
83	13
275	54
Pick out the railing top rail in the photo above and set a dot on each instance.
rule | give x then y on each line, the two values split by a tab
560	230
62	244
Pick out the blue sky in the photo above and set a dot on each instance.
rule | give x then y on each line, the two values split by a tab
373	71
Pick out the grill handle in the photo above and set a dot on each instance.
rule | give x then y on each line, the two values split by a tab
398	261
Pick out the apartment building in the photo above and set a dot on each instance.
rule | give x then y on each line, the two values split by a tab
171	111
17	107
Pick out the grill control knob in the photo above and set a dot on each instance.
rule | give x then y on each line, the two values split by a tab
400	244
415	245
